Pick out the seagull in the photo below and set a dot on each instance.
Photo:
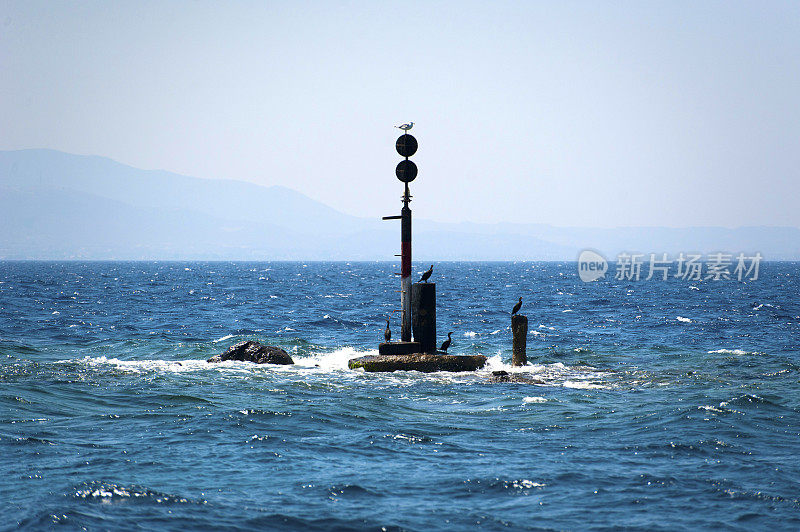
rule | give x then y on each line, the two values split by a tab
387	334
446	343
405	127
517	307
426	275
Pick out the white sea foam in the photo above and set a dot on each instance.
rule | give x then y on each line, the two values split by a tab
226	337
144	366
556	374
731	351
333	360
527	484
682	319
334	364
583	385
534	400
470	334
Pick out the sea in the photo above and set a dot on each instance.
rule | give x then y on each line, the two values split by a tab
650	405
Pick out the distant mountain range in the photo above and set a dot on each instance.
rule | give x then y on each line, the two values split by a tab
55	205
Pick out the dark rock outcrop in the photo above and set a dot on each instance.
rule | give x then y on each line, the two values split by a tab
254	352
504	376
424	362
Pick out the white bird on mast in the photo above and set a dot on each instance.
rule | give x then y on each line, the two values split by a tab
405	127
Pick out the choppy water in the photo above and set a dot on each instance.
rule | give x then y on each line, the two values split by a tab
664	405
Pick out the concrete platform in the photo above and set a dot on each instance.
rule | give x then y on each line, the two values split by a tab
399	348
424	362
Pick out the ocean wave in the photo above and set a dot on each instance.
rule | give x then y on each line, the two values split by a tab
521	486
99	491
332	360
325	361
584	385
534	399
311	360
554	374
731	351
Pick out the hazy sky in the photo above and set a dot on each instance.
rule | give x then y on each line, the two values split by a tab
567	113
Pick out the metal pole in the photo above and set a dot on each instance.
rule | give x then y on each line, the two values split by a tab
405	269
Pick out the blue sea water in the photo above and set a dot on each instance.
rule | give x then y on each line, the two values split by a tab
663	405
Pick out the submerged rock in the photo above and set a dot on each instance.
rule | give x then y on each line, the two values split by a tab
504	376
254	352
424	362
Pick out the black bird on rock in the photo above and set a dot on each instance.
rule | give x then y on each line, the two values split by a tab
446	343
427	275
517	307
387	334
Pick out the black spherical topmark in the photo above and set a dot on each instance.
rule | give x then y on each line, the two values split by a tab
406	145
406	171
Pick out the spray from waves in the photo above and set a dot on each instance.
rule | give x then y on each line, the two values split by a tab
141	366
556	374
329	361
335	362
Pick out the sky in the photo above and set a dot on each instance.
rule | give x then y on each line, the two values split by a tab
597	114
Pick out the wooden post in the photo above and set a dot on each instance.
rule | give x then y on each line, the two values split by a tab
519	328
423	312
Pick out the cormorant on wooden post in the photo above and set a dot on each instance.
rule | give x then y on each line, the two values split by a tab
387	334
426	275
446	343
517	307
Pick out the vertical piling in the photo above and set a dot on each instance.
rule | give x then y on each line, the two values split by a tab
519	329
423	306
405	270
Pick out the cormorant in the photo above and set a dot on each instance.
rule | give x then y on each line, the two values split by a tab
446	343
426	275
387	334
517	307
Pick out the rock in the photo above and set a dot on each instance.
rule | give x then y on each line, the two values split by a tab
254	352
504	376
425	362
